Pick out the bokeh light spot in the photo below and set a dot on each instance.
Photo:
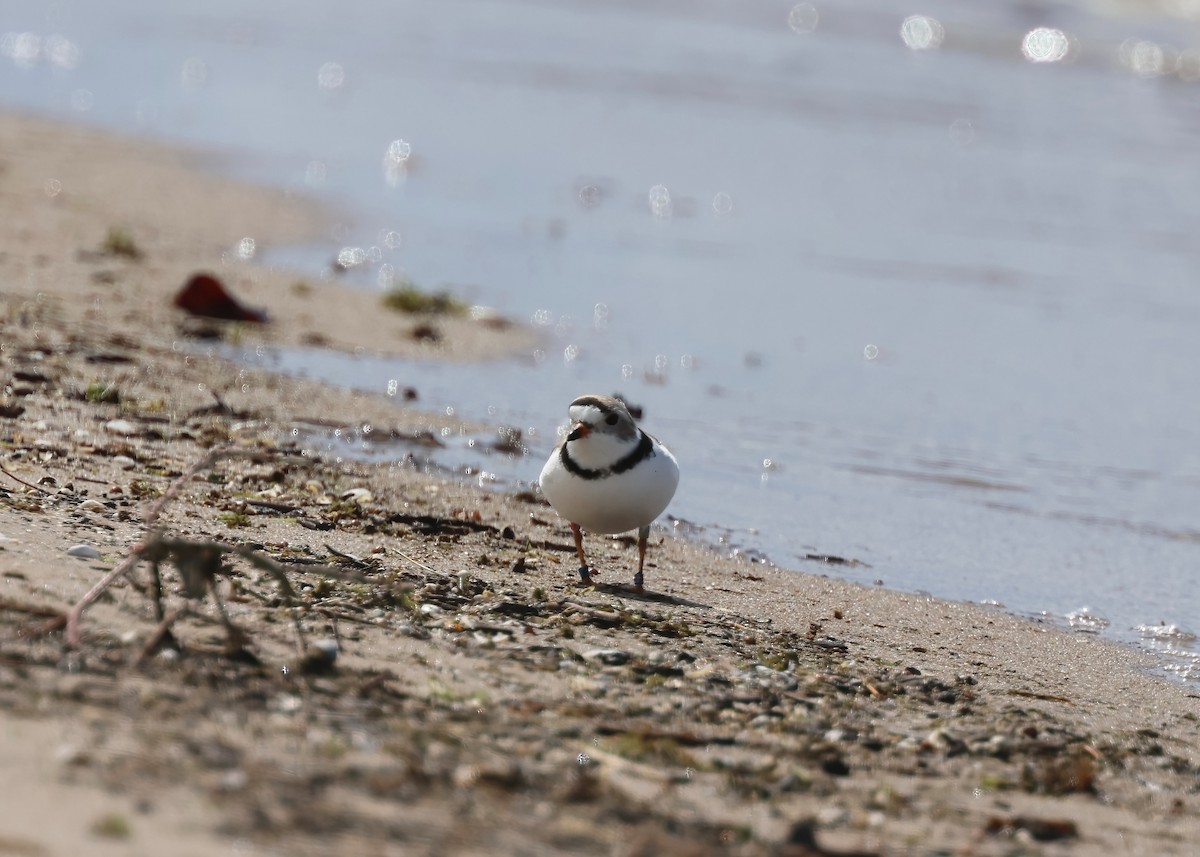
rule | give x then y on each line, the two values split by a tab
62	52
660	201
331	77
24	49
803	18
922	33
194	74
387	276
395	162
351	257
1143	58
589	195
962	132
1045	44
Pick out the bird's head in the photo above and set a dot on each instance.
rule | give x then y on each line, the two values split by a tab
601	415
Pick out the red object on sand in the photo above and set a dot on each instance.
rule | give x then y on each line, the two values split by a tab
205	295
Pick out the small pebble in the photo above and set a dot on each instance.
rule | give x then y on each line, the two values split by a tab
608	657
121	427
124	462
287	703
83	552
326	648
358	495
466	776
234	780
320	657
91	506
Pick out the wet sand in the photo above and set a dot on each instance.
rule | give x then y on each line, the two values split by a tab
481	703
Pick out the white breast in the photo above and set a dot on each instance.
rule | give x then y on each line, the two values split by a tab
616	503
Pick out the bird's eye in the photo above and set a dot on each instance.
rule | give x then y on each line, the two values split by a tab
611	419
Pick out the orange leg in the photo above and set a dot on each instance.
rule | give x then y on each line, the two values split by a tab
585	575
638	579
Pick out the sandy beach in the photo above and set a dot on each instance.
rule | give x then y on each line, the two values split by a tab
480	702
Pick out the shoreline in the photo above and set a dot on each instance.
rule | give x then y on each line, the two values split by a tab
738	709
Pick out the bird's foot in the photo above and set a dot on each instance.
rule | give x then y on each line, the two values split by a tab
585	576
638	580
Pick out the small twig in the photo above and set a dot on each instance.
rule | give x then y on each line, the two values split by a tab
75	614
273	506
235	635
268	565
416	563
155	547
182	479
32	609
357	562
161	634
211	458
335	617
156	589
81	478
16	478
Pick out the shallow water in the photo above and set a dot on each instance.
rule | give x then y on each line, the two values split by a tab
949	294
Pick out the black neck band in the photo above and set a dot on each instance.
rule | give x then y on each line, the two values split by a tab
643	450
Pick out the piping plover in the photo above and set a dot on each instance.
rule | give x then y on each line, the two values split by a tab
608	476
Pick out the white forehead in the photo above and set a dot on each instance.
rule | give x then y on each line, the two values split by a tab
585	414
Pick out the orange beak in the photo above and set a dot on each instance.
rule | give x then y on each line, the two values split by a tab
579	430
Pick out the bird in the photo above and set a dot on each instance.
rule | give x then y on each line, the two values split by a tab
608	476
